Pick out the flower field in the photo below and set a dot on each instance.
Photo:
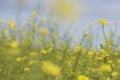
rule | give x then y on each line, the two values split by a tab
42	49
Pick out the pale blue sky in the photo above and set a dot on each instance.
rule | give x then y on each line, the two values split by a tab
94	9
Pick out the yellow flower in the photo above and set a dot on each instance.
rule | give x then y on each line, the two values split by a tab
11	24
66	8
43	51
100	58
115	74
50	68
103	21
102	51
14	44
19	59
90	53
44	31
118	60
77	48
81	77
35	13
26	69
106	68
33	54
86	34
32	62
108	78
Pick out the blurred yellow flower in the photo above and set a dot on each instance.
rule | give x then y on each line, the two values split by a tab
33	54
50	68
100	58
103	21
106	68
32	62
11	24
78	48
19	59
26	69
81	77
35	13
43	51
44	31
91	24
90	53
86	34
14	44
115	74
108	78
66	8
118	60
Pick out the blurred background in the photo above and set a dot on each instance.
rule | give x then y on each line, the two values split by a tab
91	11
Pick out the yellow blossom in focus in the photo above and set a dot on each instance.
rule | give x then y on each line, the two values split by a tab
106	68
11	24
50	68
81	77
103	21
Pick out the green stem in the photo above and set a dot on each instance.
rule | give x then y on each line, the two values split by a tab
77	57
104	34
